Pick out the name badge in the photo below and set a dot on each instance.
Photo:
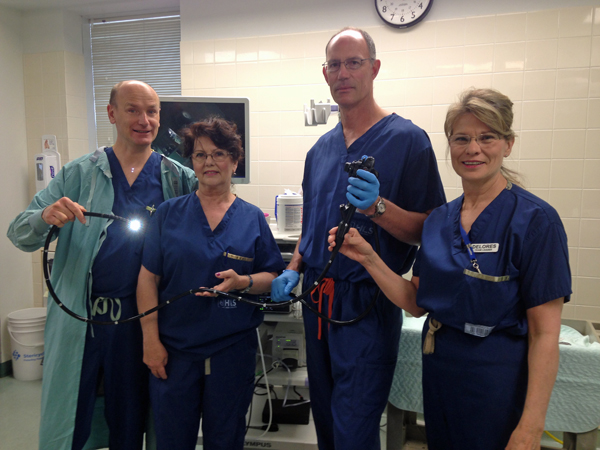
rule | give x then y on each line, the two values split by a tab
478	330
485	248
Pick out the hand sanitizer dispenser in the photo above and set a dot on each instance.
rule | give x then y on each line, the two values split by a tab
47	163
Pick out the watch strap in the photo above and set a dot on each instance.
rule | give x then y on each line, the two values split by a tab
378	211
245	291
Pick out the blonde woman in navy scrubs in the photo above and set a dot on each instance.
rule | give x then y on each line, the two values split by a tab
493	274
201	350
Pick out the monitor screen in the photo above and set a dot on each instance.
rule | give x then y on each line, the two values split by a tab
178	112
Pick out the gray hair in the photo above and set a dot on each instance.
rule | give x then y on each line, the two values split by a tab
366	36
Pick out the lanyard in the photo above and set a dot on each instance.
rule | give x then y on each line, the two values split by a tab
467	242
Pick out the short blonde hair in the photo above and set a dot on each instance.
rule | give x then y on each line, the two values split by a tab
493	109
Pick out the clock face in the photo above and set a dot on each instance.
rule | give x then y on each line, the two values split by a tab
402	13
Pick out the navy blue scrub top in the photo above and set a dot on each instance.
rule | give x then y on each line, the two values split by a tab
186	253
530	250
408	177
117	265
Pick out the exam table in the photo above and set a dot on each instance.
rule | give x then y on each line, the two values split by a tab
574	406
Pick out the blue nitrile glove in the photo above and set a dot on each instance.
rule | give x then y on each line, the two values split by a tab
363	191
283	285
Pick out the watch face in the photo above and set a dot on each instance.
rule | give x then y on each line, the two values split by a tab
402	13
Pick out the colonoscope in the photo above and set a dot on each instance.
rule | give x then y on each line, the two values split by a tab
347	211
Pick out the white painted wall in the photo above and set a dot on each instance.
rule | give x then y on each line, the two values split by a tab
16	290
228	19
48	31
50	38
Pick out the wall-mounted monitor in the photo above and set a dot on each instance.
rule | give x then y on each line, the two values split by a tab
178	112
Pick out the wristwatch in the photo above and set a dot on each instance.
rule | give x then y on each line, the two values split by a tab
245	291
379	209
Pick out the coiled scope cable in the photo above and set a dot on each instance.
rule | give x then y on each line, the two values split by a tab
347	212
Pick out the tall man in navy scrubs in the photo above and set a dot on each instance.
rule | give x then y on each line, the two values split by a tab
350	368
95	273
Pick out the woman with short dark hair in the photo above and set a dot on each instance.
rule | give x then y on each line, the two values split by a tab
201	350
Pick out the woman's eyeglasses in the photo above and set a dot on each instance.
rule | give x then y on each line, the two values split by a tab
217	156
484	140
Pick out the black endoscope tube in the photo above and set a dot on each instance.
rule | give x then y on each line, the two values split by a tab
342	230
334	252
347	211
51	291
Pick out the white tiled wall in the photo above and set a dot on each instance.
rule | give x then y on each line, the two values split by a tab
548	62
55	103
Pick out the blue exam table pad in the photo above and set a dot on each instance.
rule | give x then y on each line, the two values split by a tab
575	402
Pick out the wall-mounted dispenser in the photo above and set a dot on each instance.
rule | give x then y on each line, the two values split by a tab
318	113
47	163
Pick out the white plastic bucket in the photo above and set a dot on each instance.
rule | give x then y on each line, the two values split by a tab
289	212
29	315
26	330
28	327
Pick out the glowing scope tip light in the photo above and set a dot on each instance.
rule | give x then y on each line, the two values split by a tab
135	225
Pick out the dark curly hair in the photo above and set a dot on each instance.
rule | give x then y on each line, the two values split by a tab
222	132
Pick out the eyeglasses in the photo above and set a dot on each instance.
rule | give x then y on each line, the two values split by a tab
484	140
217	156
351	64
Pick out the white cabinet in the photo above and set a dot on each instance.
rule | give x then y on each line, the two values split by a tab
288	437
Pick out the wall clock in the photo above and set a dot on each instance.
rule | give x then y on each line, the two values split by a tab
402	13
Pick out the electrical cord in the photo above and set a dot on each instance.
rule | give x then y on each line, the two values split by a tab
262	358
271	426
257	382
297	393
285	404
554	437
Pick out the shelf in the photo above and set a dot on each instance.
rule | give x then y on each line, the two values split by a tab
290	317
280	376
289	237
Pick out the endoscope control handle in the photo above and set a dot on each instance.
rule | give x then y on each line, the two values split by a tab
347	211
